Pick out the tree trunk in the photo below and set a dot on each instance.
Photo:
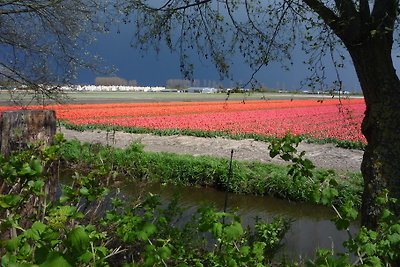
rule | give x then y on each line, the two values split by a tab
21	127
381	125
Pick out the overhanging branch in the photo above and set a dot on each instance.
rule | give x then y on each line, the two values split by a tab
324	12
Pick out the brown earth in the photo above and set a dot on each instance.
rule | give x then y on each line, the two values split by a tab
324	156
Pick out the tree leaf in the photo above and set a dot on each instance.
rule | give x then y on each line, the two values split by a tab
55	259
78	240
233	231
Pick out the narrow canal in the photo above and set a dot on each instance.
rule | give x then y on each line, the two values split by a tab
310	229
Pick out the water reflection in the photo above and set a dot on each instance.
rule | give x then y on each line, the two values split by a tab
311	228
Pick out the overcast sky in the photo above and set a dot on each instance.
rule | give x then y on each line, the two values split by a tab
152	69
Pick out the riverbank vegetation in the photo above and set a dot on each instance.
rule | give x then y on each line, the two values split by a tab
186	170
88	222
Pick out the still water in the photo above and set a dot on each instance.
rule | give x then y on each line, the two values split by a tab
311	228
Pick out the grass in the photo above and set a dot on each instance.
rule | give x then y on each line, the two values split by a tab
256	178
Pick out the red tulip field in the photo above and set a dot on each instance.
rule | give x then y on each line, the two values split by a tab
328	118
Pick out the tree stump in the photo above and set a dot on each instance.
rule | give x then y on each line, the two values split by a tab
22	127
18	129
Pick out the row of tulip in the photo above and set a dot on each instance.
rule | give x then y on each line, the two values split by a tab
328	118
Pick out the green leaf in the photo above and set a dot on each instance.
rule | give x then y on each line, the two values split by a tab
233	231
374	261
8	201
333	182
147	230
245	250
84	191
349	211
86	257
36	230
36	166
12	244
8	260
41	254
327	195
39	227
308	164
164	252
55	259
232	263
36	186
394	238
341	224
26	169
78	240
286	157
216	229
316	196
25	250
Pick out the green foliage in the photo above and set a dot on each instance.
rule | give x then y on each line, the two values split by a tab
88	226
248	177
286	149
379	247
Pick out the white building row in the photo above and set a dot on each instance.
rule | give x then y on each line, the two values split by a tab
113	88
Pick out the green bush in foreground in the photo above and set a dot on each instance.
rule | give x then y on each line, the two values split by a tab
248	177
89	224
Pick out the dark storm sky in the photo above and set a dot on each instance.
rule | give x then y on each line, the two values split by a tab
152	69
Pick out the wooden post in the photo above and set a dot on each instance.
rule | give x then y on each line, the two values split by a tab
21	127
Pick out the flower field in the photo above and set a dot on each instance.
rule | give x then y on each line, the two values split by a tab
319	119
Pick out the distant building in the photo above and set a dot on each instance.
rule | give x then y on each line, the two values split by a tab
204	90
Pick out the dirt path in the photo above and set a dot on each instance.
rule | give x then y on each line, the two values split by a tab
325	156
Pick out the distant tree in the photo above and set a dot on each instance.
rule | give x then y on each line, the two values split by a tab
42	42
178	84
132	83
110	81
266	31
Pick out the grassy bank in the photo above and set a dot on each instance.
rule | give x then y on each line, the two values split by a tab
248	177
